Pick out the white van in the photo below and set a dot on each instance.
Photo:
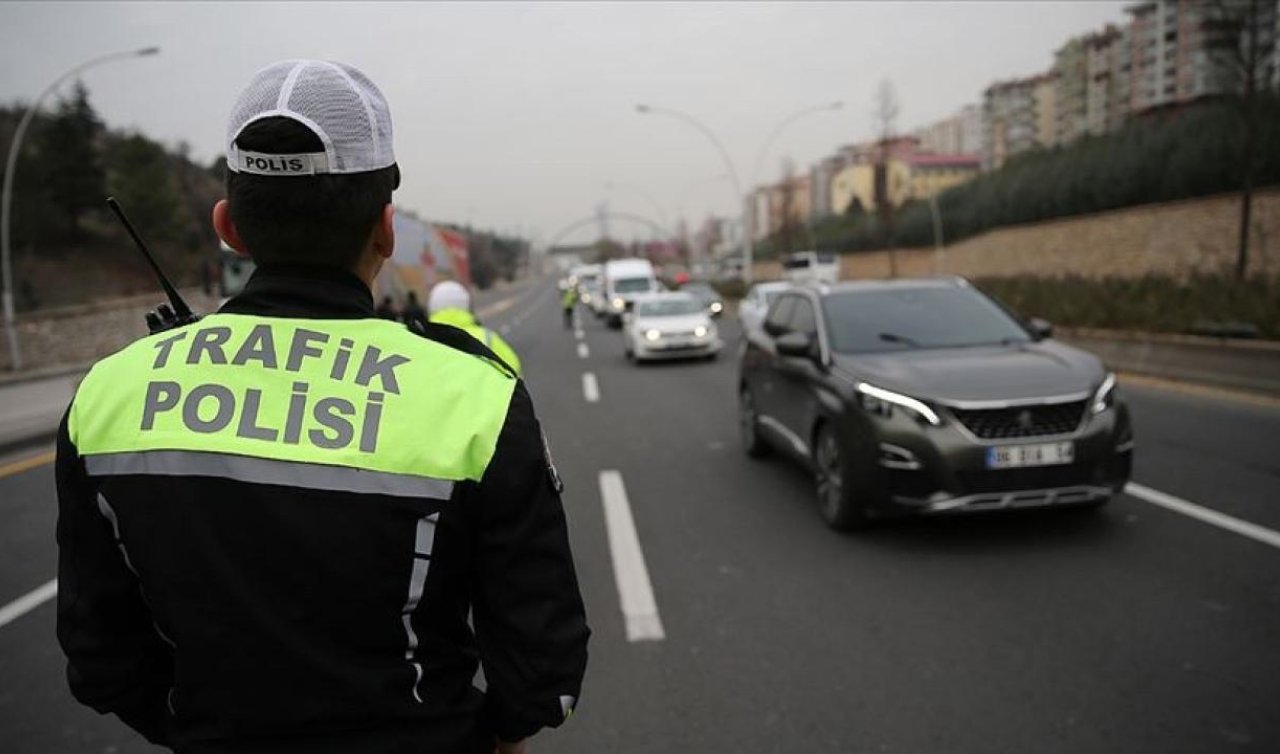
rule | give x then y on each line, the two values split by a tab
624	279
811	267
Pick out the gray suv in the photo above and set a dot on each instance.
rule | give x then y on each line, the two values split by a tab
927	397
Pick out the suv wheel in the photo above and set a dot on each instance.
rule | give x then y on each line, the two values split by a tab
835	499
749	425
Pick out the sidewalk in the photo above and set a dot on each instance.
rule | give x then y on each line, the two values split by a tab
30	410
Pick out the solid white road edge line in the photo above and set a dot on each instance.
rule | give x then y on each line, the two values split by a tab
583	351
635	591
1208	515
590	388
28	602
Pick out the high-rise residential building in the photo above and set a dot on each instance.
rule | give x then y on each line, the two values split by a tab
958	134
1070	90
1184	50
1017	115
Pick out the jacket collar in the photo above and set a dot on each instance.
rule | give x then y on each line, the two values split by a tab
303	291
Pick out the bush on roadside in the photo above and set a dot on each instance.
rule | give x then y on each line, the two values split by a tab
1203	304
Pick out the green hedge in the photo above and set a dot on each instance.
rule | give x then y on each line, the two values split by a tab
1202	304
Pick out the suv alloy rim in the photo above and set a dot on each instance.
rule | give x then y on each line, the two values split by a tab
829	476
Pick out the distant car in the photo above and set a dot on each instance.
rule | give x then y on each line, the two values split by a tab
927	397
811	267
752	308
707	295
669	326
591	294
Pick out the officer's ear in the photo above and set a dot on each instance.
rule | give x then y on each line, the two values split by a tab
383	239
226	229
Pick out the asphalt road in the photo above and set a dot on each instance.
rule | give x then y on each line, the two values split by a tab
1135	629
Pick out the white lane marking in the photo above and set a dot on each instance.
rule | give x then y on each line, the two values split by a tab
590	388
1208	515
579	334
635	591
28	602
583	351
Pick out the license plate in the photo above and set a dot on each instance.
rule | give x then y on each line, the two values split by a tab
1019	456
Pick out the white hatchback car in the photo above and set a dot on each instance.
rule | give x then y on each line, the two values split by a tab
669	326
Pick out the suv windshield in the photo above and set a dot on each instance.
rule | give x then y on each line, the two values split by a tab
668	307
631	285
906	318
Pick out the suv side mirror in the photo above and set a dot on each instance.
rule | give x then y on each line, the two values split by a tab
795	344
1042	328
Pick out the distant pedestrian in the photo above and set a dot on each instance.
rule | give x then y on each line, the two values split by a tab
569	300
413	311
387	309
450	304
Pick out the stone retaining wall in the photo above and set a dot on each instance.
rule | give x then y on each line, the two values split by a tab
1174	238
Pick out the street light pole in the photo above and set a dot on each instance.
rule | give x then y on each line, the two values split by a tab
6	194
748	232
738	196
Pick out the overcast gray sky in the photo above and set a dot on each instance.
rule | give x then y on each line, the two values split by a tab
518	115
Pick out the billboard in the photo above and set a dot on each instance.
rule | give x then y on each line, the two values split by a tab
424	255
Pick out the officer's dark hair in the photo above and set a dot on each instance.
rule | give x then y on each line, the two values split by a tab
317	219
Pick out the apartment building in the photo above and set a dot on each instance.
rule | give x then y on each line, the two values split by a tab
1017	116
960	133
1185	50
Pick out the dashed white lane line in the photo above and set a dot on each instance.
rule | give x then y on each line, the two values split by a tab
590	388
583	351
28	602
1207	515
635	591
579	334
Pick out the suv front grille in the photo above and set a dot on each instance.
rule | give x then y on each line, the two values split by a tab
1022	421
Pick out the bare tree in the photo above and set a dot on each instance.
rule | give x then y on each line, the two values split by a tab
885	116
1242	52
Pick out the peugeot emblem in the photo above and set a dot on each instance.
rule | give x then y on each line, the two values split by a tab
1024	419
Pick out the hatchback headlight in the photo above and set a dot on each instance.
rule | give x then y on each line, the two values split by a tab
652	335
877	400
717	307
1105	396
700	331
618	303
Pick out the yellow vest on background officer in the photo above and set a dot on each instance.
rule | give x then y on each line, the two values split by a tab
294	526
450	304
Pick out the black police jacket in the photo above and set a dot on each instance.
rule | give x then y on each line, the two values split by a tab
213	614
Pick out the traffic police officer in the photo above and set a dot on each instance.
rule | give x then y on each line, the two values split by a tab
274	522
450	304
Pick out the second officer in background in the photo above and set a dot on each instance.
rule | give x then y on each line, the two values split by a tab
450	304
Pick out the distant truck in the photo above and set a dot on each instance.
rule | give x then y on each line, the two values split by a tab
811	267
624	279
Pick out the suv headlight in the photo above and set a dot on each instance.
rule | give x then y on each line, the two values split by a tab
652	335
1105	396
877	400
700	331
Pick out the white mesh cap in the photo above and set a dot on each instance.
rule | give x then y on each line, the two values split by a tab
335	101
448	295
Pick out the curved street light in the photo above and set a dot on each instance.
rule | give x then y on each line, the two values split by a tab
739	198
748	232
6	195
777	131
